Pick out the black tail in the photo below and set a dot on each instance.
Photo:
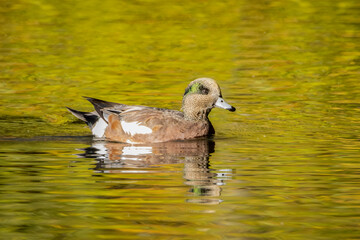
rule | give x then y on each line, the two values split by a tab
89	117
99	105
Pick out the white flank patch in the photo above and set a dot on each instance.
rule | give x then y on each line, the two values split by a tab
99	128
133	128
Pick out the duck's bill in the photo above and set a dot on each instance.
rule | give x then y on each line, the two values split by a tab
220	103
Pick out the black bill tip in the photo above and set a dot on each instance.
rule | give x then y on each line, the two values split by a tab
232	109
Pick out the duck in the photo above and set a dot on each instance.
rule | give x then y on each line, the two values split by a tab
136	124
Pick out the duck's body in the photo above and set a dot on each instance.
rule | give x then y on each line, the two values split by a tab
141	124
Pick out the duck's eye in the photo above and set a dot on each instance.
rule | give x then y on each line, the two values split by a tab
203	90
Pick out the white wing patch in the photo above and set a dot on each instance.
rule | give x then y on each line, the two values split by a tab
133	128
99	128
133	108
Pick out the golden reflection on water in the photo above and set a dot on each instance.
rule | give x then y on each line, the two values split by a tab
285	166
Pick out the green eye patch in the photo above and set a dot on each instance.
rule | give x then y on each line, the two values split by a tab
196	88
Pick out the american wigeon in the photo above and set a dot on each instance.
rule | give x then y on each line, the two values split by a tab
141	124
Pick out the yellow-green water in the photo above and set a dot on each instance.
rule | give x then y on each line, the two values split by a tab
284	166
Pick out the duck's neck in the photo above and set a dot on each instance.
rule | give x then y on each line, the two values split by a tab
196	115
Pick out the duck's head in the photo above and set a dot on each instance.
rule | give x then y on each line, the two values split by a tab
201	95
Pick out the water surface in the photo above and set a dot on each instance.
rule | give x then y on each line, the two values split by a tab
284	166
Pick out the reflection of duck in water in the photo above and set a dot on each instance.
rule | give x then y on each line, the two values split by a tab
194	154
140	124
